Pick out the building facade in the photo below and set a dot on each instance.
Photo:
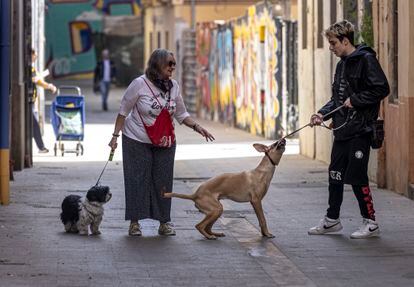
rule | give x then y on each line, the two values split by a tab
165	20
392	25
77	31
385	26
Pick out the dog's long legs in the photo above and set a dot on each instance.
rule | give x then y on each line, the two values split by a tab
210	225
212	208
203	224
258	209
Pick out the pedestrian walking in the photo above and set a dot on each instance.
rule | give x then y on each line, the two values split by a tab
360	85
104	74
38	80
145	117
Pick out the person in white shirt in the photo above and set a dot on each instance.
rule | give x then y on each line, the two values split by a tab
148	167
38	81
103	75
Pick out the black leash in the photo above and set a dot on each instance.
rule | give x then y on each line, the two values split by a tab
111	156
307	125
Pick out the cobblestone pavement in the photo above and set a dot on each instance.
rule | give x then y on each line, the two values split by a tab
34	250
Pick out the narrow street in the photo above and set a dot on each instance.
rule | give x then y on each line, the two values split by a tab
35	251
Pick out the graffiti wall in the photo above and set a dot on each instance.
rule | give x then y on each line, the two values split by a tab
76	30
242	72
203	48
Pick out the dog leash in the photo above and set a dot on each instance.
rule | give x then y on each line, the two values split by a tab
307	125
111	156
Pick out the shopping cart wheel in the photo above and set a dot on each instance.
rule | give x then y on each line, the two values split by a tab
77	149
81	147
55	149
62	148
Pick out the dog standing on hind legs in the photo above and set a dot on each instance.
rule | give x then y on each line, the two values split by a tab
248	186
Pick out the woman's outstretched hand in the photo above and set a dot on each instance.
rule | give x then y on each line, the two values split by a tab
202	131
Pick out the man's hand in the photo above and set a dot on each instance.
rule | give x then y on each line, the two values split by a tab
348	104
316	119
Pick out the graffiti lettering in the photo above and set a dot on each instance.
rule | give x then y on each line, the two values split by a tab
62	66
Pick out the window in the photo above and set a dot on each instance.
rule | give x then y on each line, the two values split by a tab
333	11
304	24
167	40
150	42
393	98
319	43
350	13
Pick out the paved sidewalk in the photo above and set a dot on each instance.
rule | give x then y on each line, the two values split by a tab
34	250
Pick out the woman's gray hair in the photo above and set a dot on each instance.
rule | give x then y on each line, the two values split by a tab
156	62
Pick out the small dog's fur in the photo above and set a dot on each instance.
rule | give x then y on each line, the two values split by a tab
77	216
248	186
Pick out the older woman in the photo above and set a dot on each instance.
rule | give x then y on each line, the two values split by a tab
148	142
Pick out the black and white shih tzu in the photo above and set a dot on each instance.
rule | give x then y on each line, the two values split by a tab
77	216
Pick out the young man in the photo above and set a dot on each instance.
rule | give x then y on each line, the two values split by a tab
359	85
104	73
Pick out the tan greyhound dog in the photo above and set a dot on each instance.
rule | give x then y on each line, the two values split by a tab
248	186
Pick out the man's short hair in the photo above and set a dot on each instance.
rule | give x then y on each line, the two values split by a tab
342	29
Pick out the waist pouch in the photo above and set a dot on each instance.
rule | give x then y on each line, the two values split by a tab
377	136
161	133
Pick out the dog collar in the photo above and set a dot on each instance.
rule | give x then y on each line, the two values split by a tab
271	160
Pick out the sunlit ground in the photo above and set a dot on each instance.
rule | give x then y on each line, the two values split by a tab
97	137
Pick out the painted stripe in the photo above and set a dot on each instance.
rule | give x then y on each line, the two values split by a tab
4	177
266	253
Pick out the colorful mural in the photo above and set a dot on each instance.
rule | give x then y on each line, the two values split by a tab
203	47
71	32
256	66
225	74
241	73
215	81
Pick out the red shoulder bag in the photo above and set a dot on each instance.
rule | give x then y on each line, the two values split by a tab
161	133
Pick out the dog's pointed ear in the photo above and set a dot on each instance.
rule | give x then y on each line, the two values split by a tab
260	147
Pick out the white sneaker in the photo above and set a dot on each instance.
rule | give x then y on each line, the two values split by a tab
326	225
166	229
369	228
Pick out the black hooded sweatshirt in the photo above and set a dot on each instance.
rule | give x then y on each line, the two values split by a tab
360	77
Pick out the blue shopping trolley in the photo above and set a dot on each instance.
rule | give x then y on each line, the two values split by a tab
67	115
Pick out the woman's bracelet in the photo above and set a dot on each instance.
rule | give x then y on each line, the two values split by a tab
115	135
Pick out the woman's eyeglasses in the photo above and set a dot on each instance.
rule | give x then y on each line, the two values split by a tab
172	63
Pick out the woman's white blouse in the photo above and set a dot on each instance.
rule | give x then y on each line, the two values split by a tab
138	97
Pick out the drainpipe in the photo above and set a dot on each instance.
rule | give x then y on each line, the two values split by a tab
4	100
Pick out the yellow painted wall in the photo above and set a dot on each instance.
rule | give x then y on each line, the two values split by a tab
4	177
